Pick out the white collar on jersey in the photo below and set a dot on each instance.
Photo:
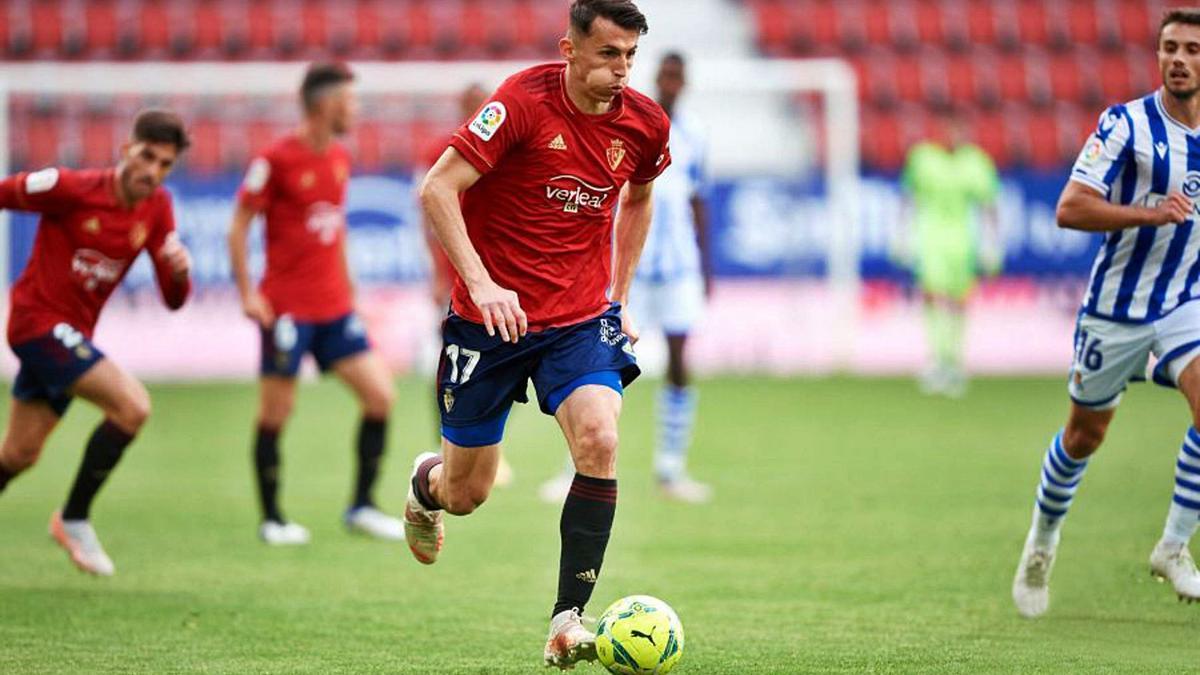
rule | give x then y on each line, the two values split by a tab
1162	110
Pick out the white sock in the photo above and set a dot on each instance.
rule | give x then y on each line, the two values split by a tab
1184	513
676	414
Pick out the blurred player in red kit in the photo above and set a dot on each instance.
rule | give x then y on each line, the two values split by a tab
305	301
94	224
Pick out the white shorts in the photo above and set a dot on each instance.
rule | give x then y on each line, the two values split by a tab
673	305
1109	354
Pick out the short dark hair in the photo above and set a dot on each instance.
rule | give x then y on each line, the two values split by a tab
161	126
673	57
1185	15
621	12
321	75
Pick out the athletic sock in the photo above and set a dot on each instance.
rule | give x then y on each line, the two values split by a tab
266	469
676	415
1060	479
101	455
587	519
420	483
1184	513
955	339
372	436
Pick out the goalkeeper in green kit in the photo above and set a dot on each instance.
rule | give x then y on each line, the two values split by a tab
952	186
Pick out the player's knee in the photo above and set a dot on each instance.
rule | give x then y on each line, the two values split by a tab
132	414
462	500
18	457
596	449
1082	440
377	404
274	414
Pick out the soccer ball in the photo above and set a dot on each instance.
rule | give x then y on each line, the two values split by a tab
639	635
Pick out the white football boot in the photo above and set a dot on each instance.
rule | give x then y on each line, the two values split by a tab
1173	563
569	642
1031	586
504	474
79	540
283	534
685	489
372	522
423	529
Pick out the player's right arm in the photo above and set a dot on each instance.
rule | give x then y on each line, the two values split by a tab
440	197
254	305
49	190
1107	155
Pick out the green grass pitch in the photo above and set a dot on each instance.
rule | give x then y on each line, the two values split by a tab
858	527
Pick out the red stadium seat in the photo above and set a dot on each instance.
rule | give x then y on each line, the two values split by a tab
1043	138
1011	77
99	134
1065	77
929	17
1137	22
774	22
153	28
881	144
100	18
988	131
1080	23
314	28
1032	21
205	154
206	29
367	150
981	22
822	22
907	75
1115	78
46	19
1073	126
960	79
855	21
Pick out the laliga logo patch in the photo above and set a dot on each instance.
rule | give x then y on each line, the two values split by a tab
1093	151
1191	184
489	120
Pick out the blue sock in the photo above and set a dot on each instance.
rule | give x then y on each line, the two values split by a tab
676	414
1185	503
1060	479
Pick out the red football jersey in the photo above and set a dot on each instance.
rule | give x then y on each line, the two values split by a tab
541	216
301	193
85	244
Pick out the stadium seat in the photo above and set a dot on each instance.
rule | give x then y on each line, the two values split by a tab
1032	21
981	22
988	131
928	17
97	136
46	22
1137	21
1043	139
100	25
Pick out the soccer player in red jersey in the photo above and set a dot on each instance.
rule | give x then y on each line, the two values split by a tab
539	170
94	224
305	302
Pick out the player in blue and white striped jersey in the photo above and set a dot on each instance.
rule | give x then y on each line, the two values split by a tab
1137	181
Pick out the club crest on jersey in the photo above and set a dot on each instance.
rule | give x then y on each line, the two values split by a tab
488	120
137	236
447	399
307	180
615	153
575	193
92	225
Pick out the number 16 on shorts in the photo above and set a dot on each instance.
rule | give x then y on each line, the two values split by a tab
1087	352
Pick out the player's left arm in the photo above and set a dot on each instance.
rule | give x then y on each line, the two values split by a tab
631	225
991	243
172	261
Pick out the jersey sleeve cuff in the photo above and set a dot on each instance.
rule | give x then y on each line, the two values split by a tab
469	153
639	180
1096	185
